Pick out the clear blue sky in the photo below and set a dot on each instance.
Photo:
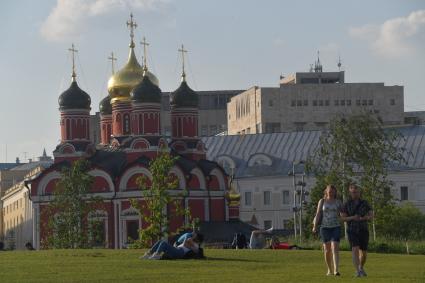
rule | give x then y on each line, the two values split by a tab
232	45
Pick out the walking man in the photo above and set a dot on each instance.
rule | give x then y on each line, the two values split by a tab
357	212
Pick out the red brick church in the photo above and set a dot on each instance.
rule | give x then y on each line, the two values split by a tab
130	139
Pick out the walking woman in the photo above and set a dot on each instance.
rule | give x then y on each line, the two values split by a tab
328	218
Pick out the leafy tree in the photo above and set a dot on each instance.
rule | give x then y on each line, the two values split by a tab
68	226
157	198
357	149
406	222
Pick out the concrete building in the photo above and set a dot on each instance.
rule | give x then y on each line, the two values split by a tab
212	111
309	101
17	214
261	163
12	175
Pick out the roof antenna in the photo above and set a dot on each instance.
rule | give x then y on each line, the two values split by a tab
339	63
317	65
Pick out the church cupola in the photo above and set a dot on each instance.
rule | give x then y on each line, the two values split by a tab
121	84
184	107
74	107
146	103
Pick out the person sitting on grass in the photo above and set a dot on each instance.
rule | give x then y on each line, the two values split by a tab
257	240
276	244
188	249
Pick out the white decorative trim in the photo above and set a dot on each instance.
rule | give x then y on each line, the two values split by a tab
45	181
201	177
130	172
104	175
180	175
220	178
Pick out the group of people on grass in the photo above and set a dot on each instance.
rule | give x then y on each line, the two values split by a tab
329	215
187	245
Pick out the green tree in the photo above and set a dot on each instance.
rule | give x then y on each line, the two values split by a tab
68	226
157	198
406	222
357	149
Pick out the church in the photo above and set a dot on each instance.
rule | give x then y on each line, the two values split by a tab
131	137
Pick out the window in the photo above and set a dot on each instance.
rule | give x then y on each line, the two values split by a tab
326	102
248	198
358	102
336	102
348	102
272	127
267	224
299	103
267	198
392	102
306	102
132	229
404	193
364	102
320	102
342	102
370	102
293	103
285	197
248	130
271	103
314	102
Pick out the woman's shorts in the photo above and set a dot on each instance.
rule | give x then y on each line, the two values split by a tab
330	234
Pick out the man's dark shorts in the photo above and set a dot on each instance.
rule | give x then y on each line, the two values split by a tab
359	239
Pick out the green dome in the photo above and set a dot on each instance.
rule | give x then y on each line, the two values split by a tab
184	97
105	106
74	98
146	92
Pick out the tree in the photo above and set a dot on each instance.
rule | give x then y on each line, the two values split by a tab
68	226
357	149
157	199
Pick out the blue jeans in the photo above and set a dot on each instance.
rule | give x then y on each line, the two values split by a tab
330	234
164	247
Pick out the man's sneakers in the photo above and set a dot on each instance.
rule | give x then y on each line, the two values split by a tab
361	273
155	256
147	255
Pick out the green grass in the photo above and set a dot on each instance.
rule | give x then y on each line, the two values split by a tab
221	266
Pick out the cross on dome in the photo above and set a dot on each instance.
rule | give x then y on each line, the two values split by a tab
73	51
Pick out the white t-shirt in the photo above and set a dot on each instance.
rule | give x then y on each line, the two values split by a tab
195	247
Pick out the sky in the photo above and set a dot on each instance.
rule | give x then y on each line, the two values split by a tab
232	45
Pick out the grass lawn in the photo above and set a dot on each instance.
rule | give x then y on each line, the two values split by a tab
220	266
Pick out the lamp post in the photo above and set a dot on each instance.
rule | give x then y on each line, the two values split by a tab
299	190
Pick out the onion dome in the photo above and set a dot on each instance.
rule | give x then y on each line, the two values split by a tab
74	98
122	82
105	106
146	91
184	96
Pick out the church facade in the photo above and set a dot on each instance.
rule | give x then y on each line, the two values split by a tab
131	138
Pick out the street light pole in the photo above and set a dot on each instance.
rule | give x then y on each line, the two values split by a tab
295	200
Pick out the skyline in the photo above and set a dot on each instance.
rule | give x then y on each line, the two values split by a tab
227	50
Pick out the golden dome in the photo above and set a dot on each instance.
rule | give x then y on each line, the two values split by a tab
122	82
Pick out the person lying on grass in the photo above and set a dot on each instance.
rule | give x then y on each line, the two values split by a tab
276	244
188	249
